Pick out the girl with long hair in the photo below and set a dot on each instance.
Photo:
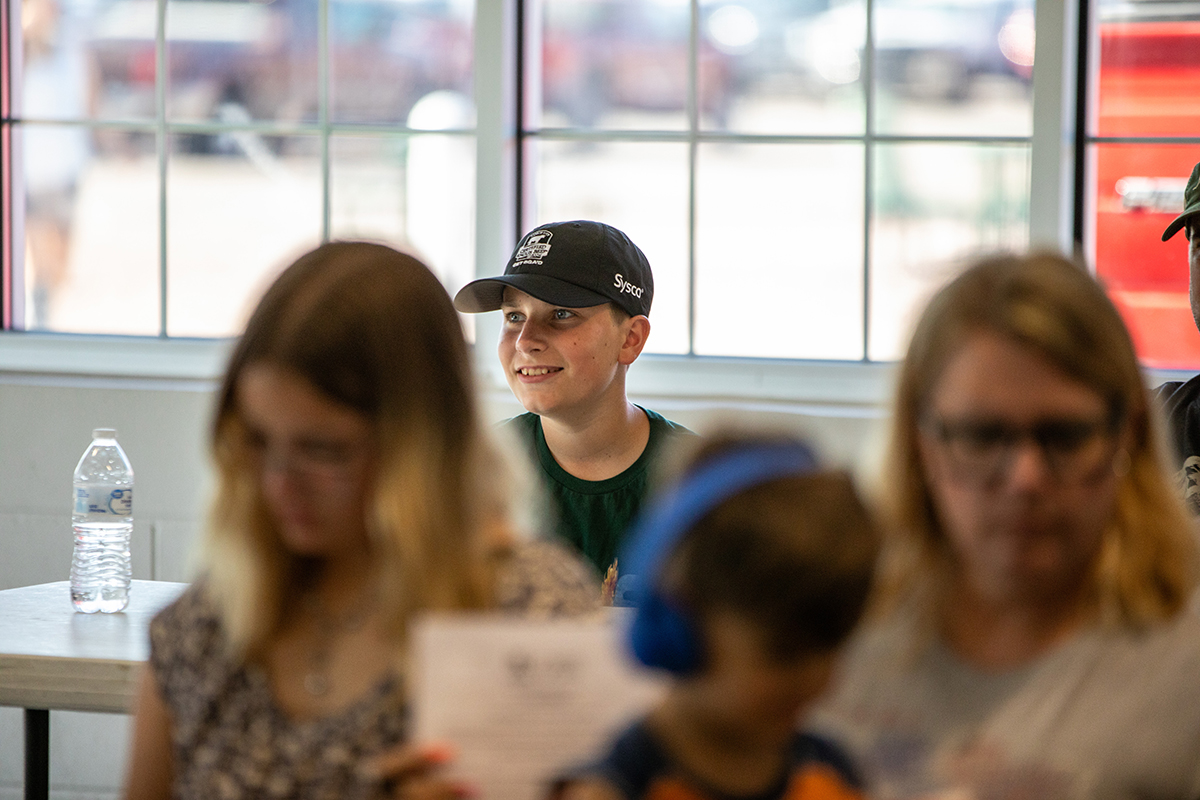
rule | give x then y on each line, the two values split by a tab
355	489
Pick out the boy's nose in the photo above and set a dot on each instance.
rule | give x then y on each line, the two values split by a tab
529	338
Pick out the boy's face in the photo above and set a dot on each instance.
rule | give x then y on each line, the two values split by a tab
746	690
565	362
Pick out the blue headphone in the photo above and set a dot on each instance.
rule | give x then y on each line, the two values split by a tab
661	635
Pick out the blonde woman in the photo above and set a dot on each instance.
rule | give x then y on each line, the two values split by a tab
354	490
1034	637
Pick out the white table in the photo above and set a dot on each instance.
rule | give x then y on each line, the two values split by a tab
52	658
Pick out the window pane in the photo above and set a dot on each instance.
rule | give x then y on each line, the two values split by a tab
615	64
785	67
55	48
779	258
232	222
122	55
1149	68
641	189
386	55
237	60
935	206
1138	191
91	230
953	66
417	193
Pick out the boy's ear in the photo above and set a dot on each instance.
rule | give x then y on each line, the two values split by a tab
637	330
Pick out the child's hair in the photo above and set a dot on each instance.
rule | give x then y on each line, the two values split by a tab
793	556
373	330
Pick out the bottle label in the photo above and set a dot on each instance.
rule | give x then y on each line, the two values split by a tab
115	501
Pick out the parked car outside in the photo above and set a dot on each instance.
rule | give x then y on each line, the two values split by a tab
604	55
242	60
928	49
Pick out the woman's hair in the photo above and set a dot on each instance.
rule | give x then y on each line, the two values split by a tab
1146	566
372	329
794	556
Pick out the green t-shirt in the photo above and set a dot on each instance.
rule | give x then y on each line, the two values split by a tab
593	515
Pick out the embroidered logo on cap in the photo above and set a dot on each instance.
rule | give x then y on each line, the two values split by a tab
624	287
535	247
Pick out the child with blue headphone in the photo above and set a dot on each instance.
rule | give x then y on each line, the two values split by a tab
756	566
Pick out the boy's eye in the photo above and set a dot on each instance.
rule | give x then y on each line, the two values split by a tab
513	317
562	313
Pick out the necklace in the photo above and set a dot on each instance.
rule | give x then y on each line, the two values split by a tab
329	628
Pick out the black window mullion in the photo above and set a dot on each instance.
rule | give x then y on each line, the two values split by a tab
1082	77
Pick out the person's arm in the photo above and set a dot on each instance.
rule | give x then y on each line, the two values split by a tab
587	789
150	772
414	772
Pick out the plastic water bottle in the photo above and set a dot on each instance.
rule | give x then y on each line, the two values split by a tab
103	523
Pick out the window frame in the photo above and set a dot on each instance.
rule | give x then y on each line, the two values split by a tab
857	388
694	136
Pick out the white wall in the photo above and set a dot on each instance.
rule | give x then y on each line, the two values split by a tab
45	424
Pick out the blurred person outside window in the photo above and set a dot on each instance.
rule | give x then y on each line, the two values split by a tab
56	87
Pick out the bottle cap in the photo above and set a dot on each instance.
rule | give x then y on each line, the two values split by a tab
104	433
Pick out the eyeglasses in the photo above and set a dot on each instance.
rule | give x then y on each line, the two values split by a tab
983	450
318	459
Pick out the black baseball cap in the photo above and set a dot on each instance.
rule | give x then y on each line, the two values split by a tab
1191	204
572	264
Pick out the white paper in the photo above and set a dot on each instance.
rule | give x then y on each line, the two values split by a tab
521	700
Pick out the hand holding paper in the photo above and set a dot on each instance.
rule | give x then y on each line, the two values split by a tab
523	700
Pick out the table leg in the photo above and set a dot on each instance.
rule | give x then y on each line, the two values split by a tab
37	754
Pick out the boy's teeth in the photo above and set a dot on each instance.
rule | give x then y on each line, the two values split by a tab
534	370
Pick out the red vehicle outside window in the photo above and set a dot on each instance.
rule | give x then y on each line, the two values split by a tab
1148	92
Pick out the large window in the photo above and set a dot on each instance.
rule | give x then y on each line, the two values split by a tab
167	157
801	175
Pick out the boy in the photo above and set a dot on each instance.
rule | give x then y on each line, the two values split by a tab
756	568
576	298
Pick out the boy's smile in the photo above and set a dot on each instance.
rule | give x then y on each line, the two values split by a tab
562	361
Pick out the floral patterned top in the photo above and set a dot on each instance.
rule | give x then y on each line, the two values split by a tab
230	738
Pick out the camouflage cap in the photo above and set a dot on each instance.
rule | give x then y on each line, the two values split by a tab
1191	204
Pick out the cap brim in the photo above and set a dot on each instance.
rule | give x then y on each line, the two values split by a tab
486	294
1179	222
